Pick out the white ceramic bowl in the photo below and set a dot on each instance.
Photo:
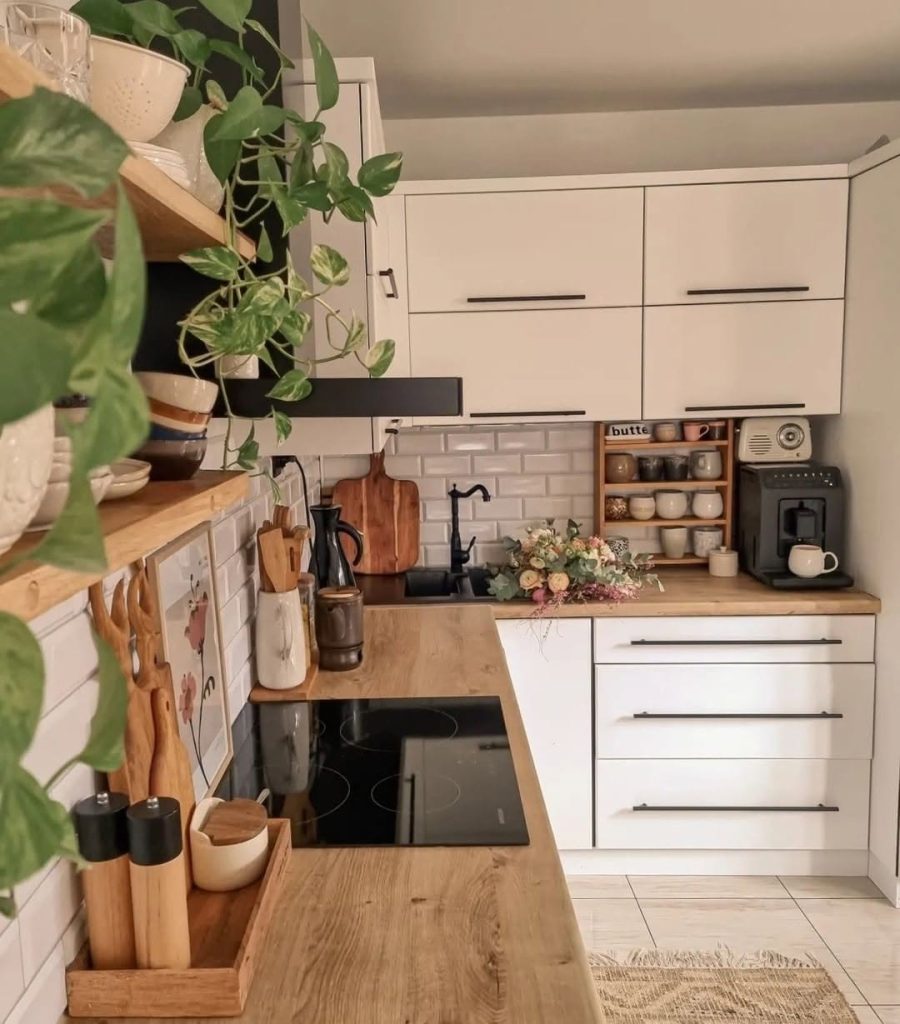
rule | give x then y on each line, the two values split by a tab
26	455
134	90
55	496
179	390
129	477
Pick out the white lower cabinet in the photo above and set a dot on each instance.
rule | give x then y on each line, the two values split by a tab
552	682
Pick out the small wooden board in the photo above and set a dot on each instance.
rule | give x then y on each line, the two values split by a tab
386	513
228	932
264	695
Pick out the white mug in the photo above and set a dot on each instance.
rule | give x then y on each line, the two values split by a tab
280	640
808	561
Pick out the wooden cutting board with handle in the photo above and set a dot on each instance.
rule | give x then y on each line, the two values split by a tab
386	512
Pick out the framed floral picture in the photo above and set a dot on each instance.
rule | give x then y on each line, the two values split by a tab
183	574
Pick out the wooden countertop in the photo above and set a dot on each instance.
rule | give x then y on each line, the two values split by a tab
468	935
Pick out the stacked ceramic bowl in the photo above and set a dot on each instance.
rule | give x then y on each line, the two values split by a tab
180	409
57	492
129	477
168	161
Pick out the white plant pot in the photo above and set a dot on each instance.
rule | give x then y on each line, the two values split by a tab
186	138
239	367
26	455
136	91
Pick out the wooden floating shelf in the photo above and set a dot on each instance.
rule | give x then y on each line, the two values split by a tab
687	560
132	527
172	221
665	485
691	521
639	446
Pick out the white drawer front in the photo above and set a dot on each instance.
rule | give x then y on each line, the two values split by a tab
715	805
754	638
757	235
506	250
728	711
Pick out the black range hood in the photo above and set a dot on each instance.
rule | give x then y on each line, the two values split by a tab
360	397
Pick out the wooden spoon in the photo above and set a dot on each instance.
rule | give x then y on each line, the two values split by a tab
274	558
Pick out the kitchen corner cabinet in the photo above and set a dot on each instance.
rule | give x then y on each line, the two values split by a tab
551	678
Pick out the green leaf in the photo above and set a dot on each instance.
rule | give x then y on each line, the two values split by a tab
327	84
336	165
105	750
356	336
21	690
232	13
51	139
248	452
264	298
356	205
303	167
294	326
37	360
155	17
76	293
217	261
291	211
297	288
222	157
261	30
118	421
329	266
106	17
246	118
38	239
309	131
7	905
33	828
127	286
283	426
216	95
379	357
240	57
294	386
314	195
195	48
264	246
379	174
191	101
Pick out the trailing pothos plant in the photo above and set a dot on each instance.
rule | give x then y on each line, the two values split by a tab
68	324
266	156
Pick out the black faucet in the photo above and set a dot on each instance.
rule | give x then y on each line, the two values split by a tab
458	556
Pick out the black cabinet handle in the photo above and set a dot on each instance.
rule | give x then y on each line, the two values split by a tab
818	715
803	808
389	274
528	412
737	643
775	289
726	408
526	298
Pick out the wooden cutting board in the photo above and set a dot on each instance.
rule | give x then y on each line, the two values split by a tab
386	512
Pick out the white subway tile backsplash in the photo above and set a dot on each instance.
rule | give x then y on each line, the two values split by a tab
439	511
62	733
496	464
446	465
436	554
571	438
46	916
499	508
45	998
434	533
548	508
51	618
522	486
12	980
547	462
480	531
70	659
419	442
402	466
489	554
573	483
470	442
344	467
432	487
583	505
583	462
237	653
521	441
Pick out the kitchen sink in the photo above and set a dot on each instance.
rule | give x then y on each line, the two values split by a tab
424	583
426	586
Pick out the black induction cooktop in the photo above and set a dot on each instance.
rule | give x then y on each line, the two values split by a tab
390	772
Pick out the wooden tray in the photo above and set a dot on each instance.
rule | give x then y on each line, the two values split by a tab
228	930
264	695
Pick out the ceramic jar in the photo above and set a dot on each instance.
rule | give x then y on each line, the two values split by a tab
706	539
186	138
616	507
707	504
618	546
642	506
723	562
666	431
706	465
26	456
674	540
671	504
676	467
650	467
621	467
280	640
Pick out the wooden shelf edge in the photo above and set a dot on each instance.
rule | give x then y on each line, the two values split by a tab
172	221
132	527
692	521
640	446
665	485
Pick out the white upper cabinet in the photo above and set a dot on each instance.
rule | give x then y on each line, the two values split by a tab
525	250
743	359
753	241
525	365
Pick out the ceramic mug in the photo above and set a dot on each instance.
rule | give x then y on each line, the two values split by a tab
671	504
674	540
808	561
707	504
706	464
676	467
718	430
618	546
280	640
616	507
666	432
621	467
642	506
650	467
706	539
695	431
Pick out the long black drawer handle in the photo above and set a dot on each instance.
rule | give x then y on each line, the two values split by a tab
774	289
526	298
726	408
818	715
389	274
818	808
828	641
527	412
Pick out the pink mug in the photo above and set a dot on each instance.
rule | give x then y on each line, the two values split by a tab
695	431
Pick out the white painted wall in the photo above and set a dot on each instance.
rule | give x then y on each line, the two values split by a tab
864	441
643	140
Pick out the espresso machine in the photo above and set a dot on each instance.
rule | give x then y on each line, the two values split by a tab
786	503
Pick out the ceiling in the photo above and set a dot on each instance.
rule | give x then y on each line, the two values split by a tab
446	58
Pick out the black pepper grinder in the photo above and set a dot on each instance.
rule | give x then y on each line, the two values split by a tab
158	887
102	830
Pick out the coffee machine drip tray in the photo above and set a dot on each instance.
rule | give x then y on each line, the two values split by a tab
788	581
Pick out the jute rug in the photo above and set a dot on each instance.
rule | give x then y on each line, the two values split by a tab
718	987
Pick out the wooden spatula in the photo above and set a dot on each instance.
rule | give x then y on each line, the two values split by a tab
274	558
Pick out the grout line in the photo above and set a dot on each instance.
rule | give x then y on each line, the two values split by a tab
641	909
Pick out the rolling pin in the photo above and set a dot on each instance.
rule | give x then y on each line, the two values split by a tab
162	935
102	829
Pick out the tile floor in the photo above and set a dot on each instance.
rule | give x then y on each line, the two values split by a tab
844	922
